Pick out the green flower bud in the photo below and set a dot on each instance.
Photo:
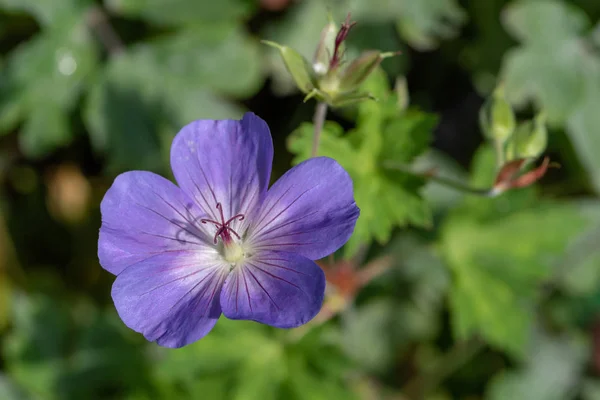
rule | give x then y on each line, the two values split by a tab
296	65
497	118
328	79
359	70
325	48
529	140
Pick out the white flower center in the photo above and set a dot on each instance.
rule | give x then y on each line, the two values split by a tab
233	252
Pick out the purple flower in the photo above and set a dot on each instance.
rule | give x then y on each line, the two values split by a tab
220	242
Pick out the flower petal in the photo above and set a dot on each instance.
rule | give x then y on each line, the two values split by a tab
224	161
310	211
280	289
171	298
144	214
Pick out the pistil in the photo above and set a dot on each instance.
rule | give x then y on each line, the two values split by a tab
224	231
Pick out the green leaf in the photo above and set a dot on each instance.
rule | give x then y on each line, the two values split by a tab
424	23
262	373
331	143
308	385
46	11
421	269
551	372
220	56
367	335
584	277
138	104
46	129
246	361
408	136
59	61
9	390
387	199
547	67
421	23
176	12
500	251
33	351
552	80
529	21
591	390
103	357
121	119
580	276
583	124
498	266
223	351
235	355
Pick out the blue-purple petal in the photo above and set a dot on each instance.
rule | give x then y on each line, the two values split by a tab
280	289
171	298
310	211
224	161
144	214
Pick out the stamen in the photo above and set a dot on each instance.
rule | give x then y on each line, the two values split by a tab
223	227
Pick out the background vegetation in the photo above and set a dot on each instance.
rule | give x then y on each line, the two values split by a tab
439	295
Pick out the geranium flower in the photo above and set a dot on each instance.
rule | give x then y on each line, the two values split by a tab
220	242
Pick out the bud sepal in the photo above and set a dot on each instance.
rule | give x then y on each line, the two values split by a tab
329	79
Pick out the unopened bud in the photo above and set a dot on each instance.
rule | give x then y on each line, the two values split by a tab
497	118
329	79
511	175
297	66
325	48
360	69
530	139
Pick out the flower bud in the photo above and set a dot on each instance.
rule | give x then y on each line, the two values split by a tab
329	79
497	118
511	175
325	48
359	70
300	70
529	140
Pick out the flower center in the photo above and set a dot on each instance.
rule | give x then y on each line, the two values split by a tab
224	231
233	252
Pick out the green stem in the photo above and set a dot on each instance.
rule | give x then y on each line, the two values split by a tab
499	147
318	121
459	186
98	22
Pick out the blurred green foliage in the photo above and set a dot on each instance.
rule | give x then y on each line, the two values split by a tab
472	297
383	132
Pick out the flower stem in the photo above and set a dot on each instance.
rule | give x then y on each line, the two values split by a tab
459	186
98	22
499	148
318	121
